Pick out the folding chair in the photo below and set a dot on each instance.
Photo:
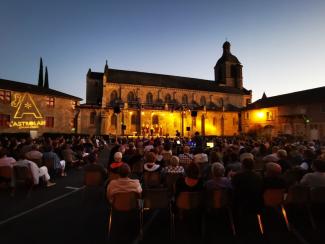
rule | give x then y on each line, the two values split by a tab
274	198
299	197
22	176
189	202
124	202
6	174
93	178
158	198
170	181
151	179
317	200
220	199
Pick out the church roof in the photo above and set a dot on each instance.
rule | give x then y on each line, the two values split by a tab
26	87
169	81
310	96
228	57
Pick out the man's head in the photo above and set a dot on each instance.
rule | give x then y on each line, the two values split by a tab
273	169
282	154
124	170
248	164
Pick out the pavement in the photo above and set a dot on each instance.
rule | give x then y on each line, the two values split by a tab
70	213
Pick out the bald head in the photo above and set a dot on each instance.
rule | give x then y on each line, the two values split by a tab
273	169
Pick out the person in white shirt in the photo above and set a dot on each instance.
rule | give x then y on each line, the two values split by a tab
124	183
4	160
317	178
37	172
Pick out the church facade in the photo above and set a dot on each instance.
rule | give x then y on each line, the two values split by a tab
120	102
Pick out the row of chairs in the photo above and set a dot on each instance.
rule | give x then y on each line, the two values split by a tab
17	176
159	198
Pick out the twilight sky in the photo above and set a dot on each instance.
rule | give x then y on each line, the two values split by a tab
280	43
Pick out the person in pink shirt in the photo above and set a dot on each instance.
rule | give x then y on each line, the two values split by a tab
4	160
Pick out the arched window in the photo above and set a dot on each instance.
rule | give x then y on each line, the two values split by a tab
168	98
113	96
134	119
92	118
155	120
131	97
202	101
185	99
149	98
113	121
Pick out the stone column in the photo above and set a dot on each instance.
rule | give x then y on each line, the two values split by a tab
104	122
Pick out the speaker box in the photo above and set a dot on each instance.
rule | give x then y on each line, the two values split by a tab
188	128
194	113
117	109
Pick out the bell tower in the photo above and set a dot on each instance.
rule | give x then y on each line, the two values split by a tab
228	69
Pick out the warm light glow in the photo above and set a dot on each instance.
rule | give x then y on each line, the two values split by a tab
131	113
260	115
142	113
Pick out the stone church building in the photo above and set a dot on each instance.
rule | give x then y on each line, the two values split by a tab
137	103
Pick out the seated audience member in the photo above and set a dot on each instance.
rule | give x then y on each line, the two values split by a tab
68	155
248	187
308	157
167	152
124	183
150	164
283	160
273	157
316	178
218	180
191	181
186	157
4	160
115	166
174	167
94	166
35	155
273	178
233	165
37	172
49	155
200	156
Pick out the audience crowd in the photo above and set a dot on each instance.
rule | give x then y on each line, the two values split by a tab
246	167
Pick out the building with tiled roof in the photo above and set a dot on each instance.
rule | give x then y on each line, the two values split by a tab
36	109
299	114
156	104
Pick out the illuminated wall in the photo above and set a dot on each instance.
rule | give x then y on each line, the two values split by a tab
41	113
263	121
161	122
